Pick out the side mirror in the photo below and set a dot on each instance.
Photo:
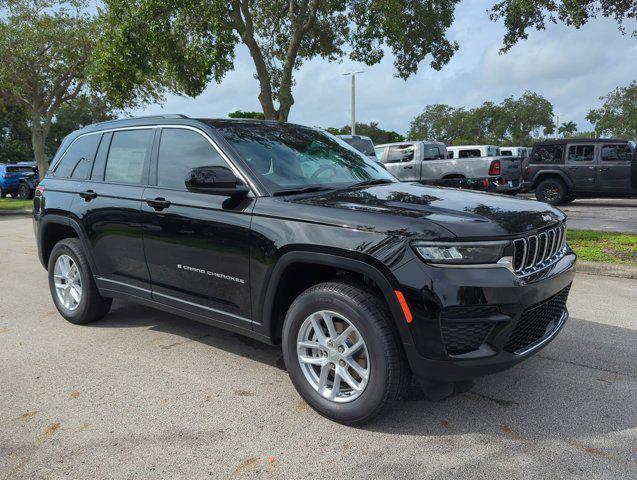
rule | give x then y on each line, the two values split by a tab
215	180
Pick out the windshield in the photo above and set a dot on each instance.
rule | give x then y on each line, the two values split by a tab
289	157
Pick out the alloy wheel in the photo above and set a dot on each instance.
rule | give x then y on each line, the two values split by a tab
333	356
68	282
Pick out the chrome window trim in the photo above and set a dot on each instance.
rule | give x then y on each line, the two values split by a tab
231	165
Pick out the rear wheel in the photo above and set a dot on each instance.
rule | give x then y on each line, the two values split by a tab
342	353
551	190
72	285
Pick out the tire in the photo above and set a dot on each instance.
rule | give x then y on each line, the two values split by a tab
24	192
385	365
552	191
91	305
569	199
3	193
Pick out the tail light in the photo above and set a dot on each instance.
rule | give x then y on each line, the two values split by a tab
39	190
9	175
495	168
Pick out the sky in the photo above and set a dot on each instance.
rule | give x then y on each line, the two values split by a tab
572	68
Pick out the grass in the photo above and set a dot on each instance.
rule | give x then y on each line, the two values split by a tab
608	247
14	204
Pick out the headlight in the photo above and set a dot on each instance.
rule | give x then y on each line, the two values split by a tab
462	253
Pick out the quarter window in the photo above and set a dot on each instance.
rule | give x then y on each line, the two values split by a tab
127	156
78	159
616	153
181	150
547	154
469	153
400	153
581	153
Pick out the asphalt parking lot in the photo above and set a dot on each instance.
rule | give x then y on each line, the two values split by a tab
144	394
607	214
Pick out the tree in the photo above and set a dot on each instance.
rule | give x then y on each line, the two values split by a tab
154	47
521	15
371	130
45	48
511	122
15	135
240	114
617	116
567	129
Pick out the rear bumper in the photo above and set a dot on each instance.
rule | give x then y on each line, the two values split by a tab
474	322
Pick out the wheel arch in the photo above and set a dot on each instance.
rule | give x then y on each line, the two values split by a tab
272	319
54	228
544	174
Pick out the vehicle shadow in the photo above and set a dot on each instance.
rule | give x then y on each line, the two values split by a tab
582	383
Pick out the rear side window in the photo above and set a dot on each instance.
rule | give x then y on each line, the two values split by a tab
400	153
547	154
379	152
506	153
127	156
78	159
581	153
469	153
179	151
616	153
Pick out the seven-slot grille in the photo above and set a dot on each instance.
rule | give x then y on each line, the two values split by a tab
533	252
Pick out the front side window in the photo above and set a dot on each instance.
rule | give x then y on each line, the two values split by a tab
616	153
469	153
127	156
290	156
181	150
506	153
581	153
400	153
379	152
78	159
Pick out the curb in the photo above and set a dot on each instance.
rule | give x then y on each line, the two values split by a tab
606	269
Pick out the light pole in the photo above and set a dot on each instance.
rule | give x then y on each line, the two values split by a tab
557	126
353	125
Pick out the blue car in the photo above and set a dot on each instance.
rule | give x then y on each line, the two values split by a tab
10	175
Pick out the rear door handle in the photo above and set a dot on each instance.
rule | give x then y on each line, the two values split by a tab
158	203
408	168
88	195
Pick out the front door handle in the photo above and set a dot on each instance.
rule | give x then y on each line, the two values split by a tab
603	169
408	168
158	203
88	195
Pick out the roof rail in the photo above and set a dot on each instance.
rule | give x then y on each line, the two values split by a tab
164	115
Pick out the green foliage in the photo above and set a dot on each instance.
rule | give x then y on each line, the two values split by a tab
45	48
617	117
15	136
240	114
371	130
511	122
154	47
521	15
13	204
567	129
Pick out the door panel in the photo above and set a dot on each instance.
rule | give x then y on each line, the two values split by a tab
580	166
111	217
614	168
197	251
403	162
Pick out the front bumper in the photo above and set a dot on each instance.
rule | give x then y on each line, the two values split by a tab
469	322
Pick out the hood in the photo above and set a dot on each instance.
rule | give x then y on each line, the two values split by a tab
464	213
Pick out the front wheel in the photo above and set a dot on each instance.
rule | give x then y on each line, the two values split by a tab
551	190
341	352
72	285
24	192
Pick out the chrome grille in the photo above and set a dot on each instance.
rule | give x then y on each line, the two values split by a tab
537	251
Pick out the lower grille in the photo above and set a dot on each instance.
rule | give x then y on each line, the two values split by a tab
462	338
537	322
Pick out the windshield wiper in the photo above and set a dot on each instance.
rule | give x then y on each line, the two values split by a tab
296	191
375	181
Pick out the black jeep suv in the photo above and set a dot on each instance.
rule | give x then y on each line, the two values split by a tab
288	235
562	170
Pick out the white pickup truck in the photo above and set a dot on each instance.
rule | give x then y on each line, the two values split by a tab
428	162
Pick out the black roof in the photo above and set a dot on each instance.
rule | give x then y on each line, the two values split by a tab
563	141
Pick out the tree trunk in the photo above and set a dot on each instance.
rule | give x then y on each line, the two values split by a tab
37	142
